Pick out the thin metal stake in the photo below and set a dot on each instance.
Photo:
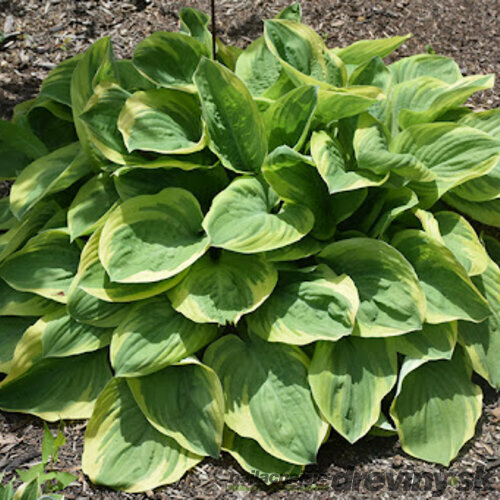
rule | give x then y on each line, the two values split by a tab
214	41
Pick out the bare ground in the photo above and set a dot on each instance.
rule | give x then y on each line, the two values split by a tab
48	31
51	30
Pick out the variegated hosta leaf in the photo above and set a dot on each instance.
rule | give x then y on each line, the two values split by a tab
227	54
203	183
360	52
330	161
93	279
58	221
49	174
487	187
492	247
169	59
454	153
27	226
153	237
18	147
461	239
391	299
254	460
349	378
57	388
431	343
487	121
267	396
345	204
30	113
243	218
20	139
119	438
63	336
487	212
288	119
373	152
262	72
309	62
425	99
57	85
29	349
306	247
429	224
16	303
185	402
166	121
482	189
100	116
436	409
33	113
295	179
262	183
441	67
49	120
338	103
222	288
196	23
7	219
236	130
153	335
307	305
11	331
395	202
383	427
103	117
95	66
92	203
292	12
27	490
45	266
373	72
117	152
482	340
90	310
449	291
130	78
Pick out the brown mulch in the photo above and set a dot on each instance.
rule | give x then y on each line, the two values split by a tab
48	31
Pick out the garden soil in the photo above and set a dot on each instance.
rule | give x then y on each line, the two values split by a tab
45	32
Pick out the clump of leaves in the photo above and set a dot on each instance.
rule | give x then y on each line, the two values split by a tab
41	479
241	254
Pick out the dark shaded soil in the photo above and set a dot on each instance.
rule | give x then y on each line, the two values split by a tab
49	31
52	30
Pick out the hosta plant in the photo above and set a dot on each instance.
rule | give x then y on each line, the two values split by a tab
241	254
